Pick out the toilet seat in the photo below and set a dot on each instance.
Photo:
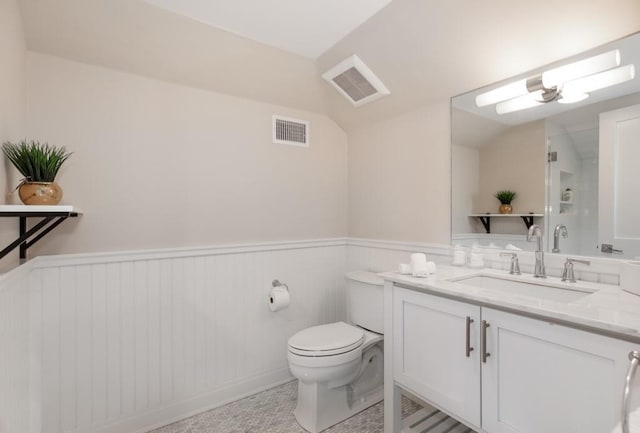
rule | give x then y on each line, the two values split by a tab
327	340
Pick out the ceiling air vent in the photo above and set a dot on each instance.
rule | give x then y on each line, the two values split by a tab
355	81
290	131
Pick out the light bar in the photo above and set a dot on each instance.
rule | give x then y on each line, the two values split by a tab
572	98
579	69
516	104
555	77
601	80
503	93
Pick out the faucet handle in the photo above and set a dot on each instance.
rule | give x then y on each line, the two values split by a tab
567	271
515	264
572	260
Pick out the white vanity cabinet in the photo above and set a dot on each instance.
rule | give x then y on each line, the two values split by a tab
536	377
546	378
431	356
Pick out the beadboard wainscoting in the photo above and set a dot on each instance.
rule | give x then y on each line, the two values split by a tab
126	342
15	353
384	256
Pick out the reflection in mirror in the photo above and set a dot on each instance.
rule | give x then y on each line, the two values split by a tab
573	163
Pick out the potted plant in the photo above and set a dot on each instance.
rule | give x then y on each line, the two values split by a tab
505	197
39	164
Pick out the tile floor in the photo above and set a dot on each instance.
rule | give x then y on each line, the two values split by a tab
271	411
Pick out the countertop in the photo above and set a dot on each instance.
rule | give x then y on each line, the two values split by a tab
608	310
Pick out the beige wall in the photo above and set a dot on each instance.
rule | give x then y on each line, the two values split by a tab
12	82
399	174
140	38
426	52
12	108
162	165
515	160
465	184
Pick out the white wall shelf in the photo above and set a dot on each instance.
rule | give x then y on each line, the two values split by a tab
52	216
485	218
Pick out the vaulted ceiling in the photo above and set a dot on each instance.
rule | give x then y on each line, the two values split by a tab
425	51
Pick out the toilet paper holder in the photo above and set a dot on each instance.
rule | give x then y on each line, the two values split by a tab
276	283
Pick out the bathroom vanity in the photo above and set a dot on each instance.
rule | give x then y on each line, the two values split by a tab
507	354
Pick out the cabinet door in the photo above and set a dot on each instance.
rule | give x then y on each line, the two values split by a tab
547	378
430	359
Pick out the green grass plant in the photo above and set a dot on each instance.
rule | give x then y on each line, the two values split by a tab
37	162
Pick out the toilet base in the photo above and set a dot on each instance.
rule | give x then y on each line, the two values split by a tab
320	407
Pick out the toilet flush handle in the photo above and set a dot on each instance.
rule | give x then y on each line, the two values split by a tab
276	283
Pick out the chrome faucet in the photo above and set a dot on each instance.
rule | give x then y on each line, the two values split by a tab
567	272
560	229
538	270
515	265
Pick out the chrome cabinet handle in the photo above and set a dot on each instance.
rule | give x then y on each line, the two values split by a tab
634	357
483	343
468	349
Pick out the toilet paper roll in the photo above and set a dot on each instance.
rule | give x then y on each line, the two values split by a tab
279	298
419	265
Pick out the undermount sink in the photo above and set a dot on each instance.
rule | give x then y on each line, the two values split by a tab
541	290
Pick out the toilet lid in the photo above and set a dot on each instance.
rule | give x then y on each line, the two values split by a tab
326	340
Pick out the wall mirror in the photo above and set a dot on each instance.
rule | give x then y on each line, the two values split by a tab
566	138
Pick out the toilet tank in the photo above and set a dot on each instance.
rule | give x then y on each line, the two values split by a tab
365	300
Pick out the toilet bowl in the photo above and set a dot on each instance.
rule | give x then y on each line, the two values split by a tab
339	366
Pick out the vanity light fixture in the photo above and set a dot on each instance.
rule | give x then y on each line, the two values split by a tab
520	103
566	84
572	98
599	81
563	74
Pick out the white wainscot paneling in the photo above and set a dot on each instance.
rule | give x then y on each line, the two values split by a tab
15	381
131	343
385	256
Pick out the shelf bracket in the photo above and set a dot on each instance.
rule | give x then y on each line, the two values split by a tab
486	222
40	230
528	220
28	237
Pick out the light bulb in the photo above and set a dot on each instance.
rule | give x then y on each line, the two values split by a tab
582	68
516	104
572	98
503	93
601	80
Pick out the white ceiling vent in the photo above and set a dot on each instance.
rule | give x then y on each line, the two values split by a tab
290	131
355	81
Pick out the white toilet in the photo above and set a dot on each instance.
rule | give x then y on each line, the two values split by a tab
339	366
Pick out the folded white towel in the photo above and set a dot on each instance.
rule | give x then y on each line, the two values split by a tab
404	269
419	265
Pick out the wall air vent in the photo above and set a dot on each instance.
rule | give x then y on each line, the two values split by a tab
290	131
355	81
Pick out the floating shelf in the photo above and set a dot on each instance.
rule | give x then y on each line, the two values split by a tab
485	218
52	217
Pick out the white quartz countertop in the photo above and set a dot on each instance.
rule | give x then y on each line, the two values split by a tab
609	309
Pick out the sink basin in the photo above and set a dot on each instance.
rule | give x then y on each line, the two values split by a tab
542	290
